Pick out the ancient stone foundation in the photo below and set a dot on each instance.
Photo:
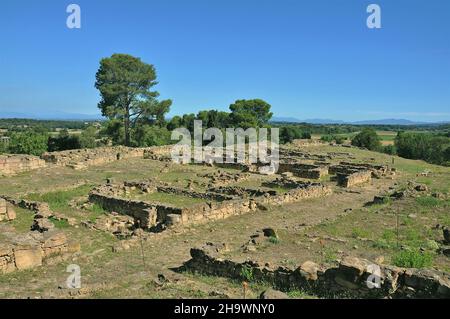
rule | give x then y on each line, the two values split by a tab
32	250
349	180
304	170
349	168
6	211
83	158
348	280
220	203
14	164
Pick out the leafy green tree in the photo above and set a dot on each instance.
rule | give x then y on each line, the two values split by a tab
113	130
390	149
3	147
339	139
250	113
63	142
28	142
147	135
188	121
367	138
124	83
88	137
175	122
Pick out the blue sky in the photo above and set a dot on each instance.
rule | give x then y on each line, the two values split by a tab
308	59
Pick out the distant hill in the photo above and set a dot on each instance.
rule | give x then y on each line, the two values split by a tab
51	116
366	122
389	122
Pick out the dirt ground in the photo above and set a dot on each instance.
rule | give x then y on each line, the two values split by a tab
322	230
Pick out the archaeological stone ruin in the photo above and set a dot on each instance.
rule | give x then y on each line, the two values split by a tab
347	280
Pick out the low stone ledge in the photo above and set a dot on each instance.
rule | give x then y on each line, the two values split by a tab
349	279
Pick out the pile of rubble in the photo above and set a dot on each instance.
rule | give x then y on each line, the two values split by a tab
222	178
121	226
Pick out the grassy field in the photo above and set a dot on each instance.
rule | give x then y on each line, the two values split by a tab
322	230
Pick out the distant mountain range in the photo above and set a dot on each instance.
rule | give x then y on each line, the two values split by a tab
367	122
94	117
51	116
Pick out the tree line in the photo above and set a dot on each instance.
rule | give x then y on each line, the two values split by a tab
430	147
136	117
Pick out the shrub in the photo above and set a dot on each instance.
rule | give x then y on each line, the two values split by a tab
425	146
413	259
62	143
368	138
30	142
290	133
326	138
88	137
339	139
390	149
247	273
147	135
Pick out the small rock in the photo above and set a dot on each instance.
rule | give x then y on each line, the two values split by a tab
446	234
273	294
421	188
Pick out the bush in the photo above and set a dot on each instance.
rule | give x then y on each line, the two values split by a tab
147	135
247	273
413	259
326	138
425	146
368	138
62	143
339	139
290	133
30	142
390	149
88	137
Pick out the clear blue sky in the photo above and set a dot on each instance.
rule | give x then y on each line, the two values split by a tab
308	59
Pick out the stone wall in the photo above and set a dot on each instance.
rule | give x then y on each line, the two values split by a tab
353	179
155	216
146	214
33	249
14	164
350	168
6	211
160	153
348	280
83	158
304	170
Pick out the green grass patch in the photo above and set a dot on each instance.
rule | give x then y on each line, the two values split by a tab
59	223
95	212
23	221
59	200
412	259
428	201
172	199
359	233
274	240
